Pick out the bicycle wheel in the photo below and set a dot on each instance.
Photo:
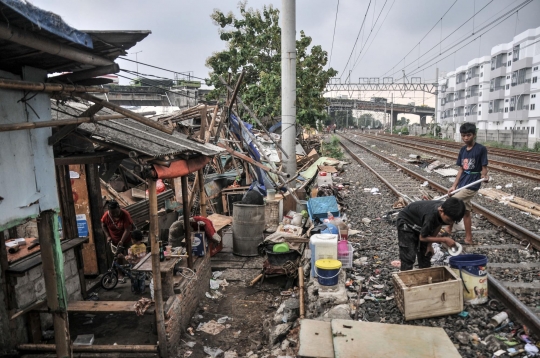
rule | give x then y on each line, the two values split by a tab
109	280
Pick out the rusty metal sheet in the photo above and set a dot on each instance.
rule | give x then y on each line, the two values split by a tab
381	340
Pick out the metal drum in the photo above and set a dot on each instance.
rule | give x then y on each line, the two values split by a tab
248	226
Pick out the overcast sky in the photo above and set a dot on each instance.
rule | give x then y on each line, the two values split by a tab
183	35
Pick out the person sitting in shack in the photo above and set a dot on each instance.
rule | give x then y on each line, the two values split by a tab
138	249
419	224
116	223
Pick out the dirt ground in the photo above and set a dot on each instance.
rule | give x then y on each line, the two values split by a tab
246	330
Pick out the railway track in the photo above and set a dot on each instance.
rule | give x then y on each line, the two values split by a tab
404	182
508	153
526	172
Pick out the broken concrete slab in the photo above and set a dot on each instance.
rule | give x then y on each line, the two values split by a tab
232	274
339	312
315	331
279	331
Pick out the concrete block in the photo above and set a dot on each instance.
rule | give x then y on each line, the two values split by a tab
39	288
22	281
71	268
69	255
73	285
35	273
25	295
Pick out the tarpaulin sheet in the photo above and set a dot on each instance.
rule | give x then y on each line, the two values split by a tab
49	21
319	207
312	170
181	167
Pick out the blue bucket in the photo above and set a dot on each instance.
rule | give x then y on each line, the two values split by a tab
327	271
472	269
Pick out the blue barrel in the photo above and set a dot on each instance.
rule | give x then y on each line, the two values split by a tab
472	269
327	271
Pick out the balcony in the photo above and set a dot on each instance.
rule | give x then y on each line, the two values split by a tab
496	93
523	63
496	116
472	99
473	81
518	89
498	72
459	102
461	86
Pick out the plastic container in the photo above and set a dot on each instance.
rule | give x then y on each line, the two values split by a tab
282	247
271	194
342	247
472	269
322	246
280	258
343	234
328	271
346	257
198	246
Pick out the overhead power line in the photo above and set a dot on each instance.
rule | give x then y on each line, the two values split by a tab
161	68
357	36
334	35
446	12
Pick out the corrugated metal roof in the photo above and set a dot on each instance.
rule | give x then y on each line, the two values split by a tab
146	140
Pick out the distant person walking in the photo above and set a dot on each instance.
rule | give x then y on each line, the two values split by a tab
472	161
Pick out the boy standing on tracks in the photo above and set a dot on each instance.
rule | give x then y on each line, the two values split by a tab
418	227
472	161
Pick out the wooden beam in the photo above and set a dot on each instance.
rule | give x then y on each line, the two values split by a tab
135	116
64	131
48	87
53	268
29	308
67	206
154	243
85	74
114	193
95	203
235	91
93	348
251	160
91	158
63	122
187	225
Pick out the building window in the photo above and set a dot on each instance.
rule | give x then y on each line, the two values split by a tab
532	130
505	109
506	100
480	105
482	73
505	128
535	79
507	77
480	86
509	63
533	106
479	112
535	68
533	96
507	86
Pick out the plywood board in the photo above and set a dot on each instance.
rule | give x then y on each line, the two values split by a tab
82	207
381	340
220	221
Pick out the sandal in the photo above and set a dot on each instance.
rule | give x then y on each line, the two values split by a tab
122	280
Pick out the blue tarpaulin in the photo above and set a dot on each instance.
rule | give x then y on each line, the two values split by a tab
252	150
48	21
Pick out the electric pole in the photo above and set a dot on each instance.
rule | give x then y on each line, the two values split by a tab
288	84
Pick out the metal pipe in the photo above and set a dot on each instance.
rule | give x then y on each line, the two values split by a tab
288	84
48	87
52	47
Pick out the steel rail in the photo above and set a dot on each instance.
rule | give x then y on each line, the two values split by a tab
509	153
450	154
520	311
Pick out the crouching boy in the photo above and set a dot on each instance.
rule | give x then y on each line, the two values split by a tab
419	224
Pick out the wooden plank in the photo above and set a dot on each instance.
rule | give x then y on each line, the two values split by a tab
103	307
33	306
82	207
220	221
21	267
67	206
138	193
64	131
146	264
23	251
114	193
90	158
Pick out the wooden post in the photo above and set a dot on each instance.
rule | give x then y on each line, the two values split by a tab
156	273
53	272
96	212
187	226
301	291
202	194
67	207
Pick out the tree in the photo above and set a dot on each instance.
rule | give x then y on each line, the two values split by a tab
254	45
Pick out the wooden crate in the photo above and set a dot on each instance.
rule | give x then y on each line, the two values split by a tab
430	292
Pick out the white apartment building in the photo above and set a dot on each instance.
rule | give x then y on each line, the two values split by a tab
496	92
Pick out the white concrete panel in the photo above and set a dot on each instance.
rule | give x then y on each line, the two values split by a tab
43	152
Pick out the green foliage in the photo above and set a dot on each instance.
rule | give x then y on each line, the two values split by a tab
332	149
254	45
536	147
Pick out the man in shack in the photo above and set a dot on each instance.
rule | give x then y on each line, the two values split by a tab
117	224
419	224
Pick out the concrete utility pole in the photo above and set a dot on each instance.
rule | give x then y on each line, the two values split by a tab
288	84
392	115
436	102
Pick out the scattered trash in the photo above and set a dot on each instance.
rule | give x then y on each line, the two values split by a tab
188	354
214	295
84	340
216	274
463	314
425	183
223	319
536	188
190	331
214	284
191	344
366	221
509	185
93	297
531	349
396	263
212	352
237	334
375	191
142	305
211	327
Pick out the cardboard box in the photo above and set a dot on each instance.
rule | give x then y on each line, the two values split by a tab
431	292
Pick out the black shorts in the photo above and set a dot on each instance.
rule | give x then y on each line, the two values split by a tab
411	248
